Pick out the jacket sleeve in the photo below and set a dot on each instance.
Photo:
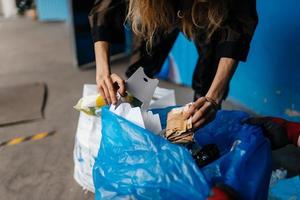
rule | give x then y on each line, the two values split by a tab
238	30
106	20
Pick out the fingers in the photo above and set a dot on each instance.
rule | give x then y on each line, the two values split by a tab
111	91
205	120
106	92
104	88
195	106
201	112
101	91
121	83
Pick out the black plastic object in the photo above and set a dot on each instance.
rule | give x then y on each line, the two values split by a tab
206	155
275	132
24	5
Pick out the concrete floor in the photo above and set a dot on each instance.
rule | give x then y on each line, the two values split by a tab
31	52
41	52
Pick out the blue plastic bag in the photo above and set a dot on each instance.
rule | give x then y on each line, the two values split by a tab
245	162
286	189
134	163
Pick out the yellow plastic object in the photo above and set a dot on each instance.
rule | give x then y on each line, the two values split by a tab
89	104
100	101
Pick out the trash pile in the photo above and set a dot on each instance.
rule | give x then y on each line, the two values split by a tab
88	135
150	150
134	163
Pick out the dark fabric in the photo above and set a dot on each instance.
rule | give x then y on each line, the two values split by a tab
150	61
238	29
276	133
232	40
106	20
280	131
292	129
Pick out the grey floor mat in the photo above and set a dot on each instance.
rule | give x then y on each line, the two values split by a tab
21	103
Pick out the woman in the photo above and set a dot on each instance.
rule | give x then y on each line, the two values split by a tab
221	30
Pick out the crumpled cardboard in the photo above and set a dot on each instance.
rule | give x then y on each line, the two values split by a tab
179	129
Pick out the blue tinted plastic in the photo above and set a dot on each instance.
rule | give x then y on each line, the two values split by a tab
245	162
286	189
134	163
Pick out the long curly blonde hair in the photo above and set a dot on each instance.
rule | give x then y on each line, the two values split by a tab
150	17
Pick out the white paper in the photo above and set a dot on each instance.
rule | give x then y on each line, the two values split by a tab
163	98
146	120
152	122
133	115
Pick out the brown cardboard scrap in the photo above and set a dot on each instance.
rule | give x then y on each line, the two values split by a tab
178	127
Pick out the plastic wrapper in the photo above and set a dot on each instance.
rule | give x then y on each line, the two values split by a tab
90	103
134	163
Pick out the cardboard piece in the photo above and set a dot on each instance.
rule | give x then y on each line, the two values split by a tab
179	129
141	87
22	103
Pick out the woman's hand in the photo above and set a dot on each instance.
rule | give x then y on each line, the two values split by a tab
205	108
202	111
109	85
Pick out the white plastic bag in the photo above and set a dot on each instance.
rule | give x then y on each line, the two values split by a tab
87	142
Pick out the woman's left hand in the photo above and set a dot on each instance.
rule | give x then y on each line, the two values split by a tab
202	112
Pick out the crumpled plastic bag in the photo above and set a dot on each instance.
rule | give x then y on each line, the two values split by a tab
286	189
88	137
134	163
245	162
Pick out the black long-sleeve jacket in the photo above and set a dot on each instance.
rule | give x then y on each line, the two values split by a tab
231	40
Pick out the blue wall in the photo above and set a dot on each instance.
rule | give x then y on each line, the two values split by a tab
269	82
52	10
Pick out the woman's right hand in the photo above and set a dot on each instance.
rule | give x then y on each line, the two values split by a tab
109	85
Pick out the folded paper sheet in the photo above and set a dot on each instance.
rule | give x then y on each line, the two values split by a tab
145	119
133	115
